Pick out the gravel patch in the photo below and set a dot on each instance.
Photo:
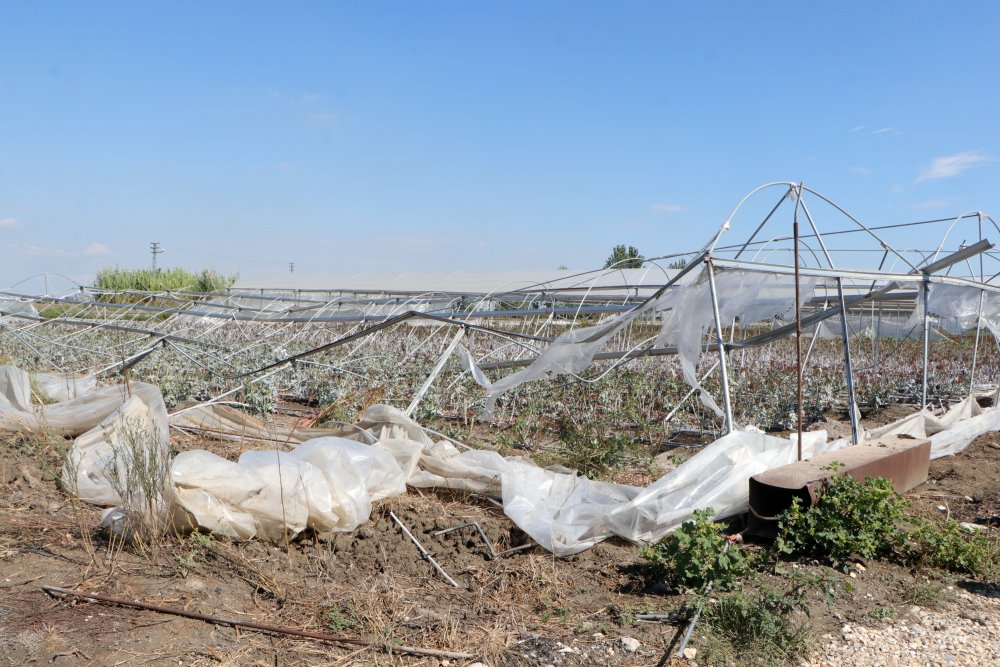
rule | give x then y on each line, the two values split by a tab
967	633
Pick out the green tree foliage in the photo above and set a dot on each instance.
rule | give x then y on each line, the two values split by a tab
623	257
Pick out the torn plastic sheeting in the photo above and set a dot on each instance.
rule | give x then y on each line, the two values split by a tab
295	495
888	326
950	432
81	414
687	314
15	391
567	514
15	307
103	462
225	422
68	417
748	296
63	386
374	467
716	477
212	490
573	351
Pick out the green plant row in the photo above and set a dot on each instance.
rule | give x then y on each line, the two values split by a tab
158	280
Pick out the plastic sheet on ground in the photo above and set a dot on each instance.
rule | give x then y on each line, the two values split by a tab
225	422
63	386
124	459
949	432
328	483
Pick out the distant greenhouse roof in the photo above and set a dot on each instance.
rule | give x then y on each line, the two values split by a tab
476	282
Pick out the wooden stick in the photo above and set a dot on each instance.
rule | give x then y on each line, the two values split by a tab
55	591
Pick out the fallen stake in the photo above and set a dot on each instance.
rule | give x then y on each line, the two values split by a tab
423	551
482	535
508	552
55	591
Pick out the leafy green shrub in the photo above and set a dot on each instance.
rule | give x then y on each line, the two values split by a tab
763	627
950	547
590	453
852	520
696	553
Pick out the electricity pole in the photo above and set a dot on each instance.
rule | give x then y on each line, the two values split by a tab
156	250
291	267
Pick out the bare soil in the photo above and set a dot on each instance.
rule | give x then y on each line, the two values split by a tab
525	609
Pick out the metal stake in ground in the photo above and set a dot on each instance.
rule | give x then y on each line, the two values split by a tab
423	552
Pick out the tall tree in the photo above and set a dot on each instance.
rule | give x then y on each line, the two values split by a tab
624	258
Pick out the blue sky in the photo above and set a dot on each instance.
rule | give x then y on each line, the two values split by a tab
473	135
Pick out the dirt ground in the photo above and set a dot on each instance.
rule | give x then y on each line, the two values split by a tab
527	608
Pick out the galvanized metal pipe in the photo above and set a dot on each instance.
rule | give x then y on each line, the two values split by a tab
852	408
927	337
975	347
721	339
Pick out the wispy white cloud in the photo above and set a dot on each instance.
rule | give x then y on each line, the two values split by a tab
856	129
312	97
862	171
661	207
321	117
10	223
931	203
283	165
952	165
96	249
897	189
885	130
29	250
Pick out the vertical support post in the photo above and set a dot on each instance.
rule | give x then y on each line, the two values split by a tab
720	337
848	370
878	336
927	338
975	347
798	341
434	373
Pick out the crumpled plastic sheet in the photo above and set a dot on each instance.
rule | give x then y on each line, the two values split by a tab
13	306
949	432
687	312
63	386
328	483
225	422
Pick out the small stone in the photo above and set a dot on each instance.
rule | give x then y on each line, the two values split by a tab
598	635
942	508
971	527
690	652
630	644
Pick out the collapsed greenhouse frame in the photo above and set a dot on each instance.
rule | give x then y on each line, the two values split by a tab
562	512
